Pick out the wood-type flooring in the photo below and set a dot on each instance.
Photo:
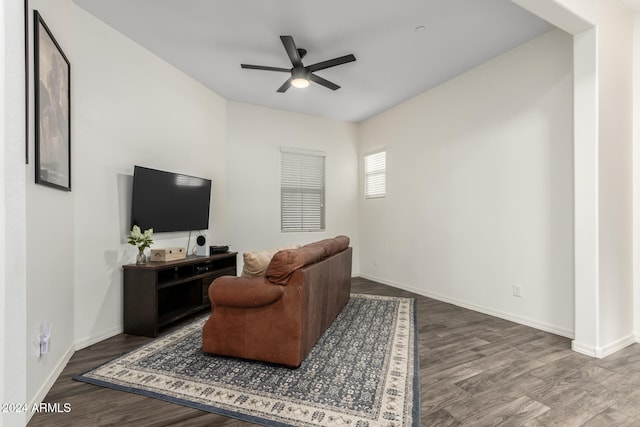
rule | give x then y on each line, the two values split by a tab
475	370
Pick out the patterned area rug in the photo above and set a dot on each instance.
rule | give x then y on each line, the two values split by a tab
363	372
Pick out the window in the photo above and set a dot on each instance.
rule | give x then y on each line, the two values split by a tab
301	190
375	175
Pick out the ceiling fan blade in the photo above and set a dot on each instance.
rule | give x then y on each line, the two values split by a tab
262	67
292	50
286	85
323	82
331	63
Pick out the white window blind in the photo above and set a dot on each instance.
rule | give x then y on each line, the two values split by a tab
375	175
301	190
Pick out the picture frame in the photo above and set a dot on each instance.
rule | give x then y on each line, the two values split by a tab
52	90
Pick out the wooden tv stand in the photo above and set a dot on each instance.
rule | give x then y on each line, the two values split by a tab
159	293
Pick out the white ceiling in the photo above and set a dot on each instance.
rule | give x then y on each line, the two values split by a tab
209	39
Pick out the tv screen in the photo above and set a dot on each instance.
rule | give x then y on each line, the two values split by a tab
167	201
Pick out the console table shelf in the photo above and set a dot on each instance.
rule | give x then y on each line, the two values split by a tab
159	293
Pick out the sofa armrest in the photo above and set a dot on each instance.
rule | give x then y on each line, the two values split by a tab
231	291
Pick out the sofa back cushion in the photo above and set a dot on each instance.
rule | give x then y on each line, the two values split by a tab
335	245
285	262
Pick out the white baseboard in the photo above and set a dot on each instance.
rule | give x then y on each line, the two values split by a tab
604	351
507	316
44	389
86	342
581	348
615	346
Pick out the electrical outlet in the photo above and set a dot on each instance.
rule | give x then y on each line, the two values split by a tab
517	291
45	337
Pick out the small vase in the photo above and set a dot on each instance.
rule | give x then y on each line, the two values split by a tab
141	258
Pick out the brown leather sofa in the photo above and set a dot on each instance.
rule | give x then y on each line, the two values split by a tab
279	317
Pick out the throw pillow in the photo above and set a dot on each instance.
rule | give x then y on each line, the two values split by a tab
256	262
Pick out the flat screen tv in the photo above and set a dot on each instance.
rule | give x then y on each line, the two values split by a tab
167	201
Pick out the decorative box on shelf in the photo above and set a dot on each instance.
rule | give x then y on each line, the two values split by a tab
168	254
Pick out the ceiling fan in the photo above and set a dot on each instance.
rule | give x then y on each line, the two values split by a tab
301	74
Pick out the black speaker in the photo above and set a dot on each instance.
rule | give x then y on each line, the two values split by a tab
218	249
201	245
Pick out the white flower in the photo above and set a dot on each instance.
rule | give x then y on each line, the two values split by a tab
139	239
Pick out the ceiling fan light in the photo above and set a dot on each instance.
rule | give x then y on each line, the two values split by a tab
300	77
300	82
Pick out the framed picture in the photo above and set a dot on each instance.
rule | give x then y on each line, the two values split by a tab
52	73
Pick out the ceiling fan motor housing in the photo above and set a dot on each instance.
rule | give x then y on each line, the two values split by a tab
300	73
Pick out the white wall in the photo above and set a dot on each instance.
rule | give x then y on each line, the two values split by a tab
615	40
13	339
636	178
255	135
479	190
128	107
131	108
3	212
50	248
603	32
